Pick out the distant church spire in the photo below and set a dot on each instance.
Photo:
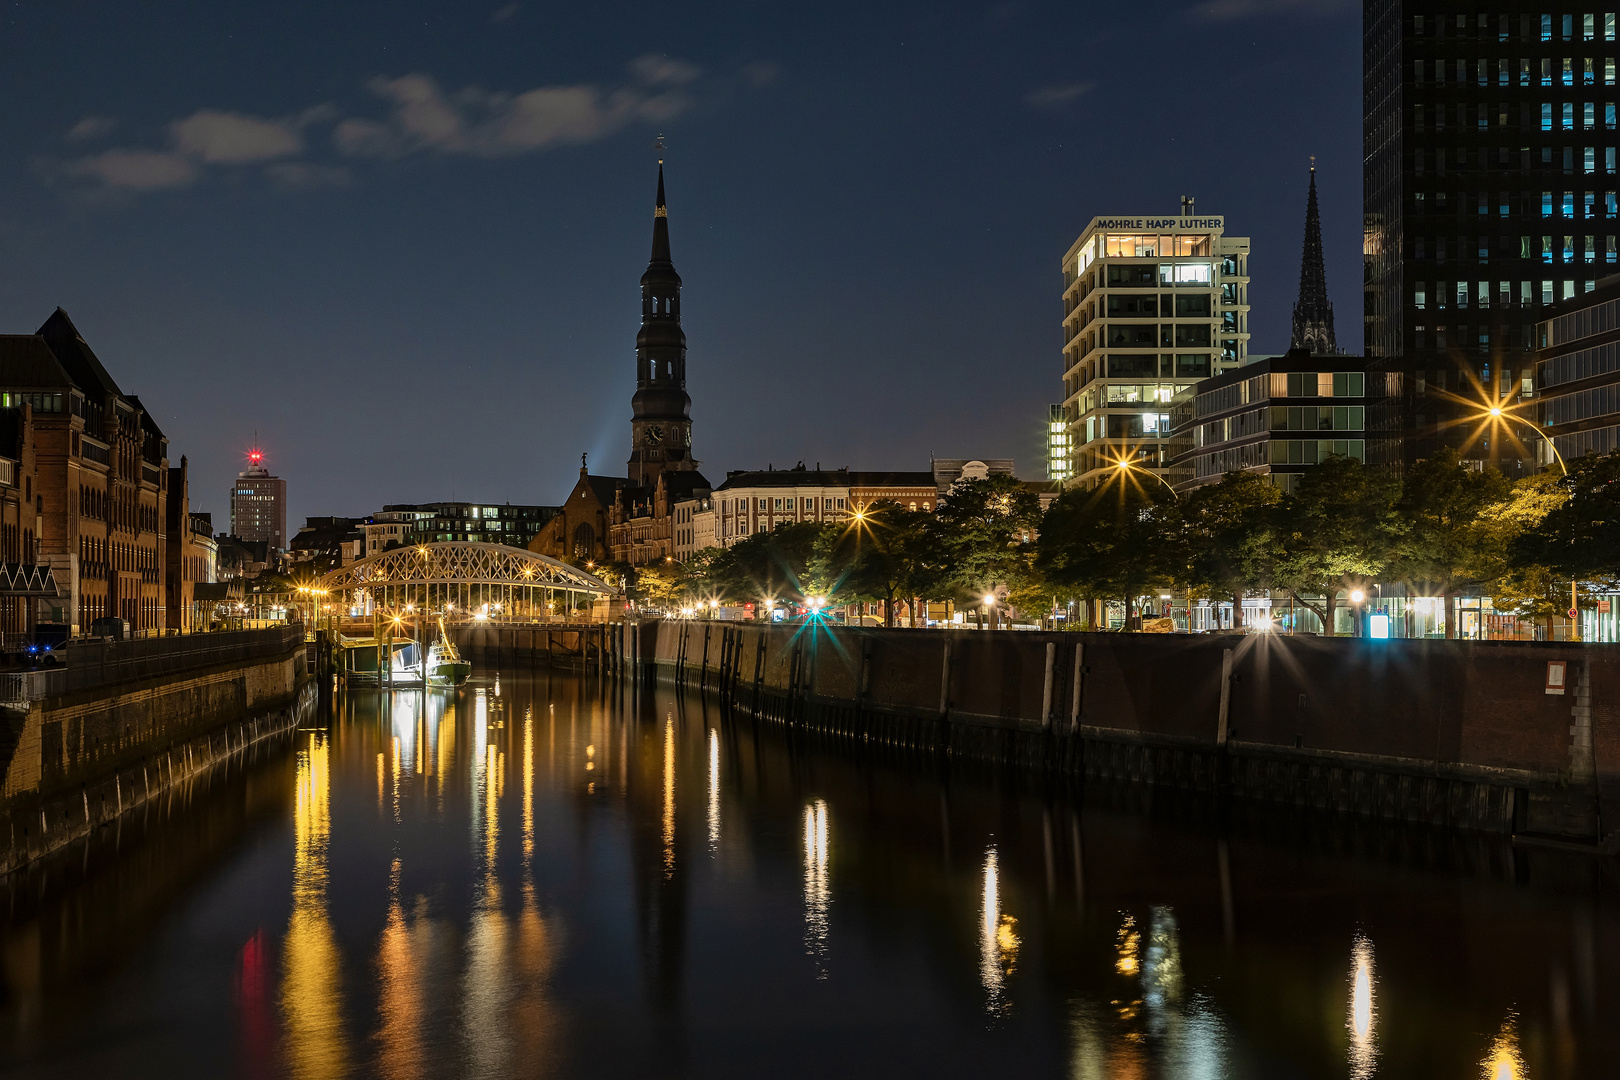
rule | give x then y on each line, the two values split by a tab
1313	314
661	411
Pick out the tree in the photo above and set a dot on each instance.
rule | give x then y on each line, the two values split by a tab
1447	544
982	532
1335	531
768	566
879	556
1580	538
1116	540
662	584
1229	534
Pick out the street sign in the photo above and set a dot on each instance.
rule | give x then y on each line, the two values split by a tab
1572	613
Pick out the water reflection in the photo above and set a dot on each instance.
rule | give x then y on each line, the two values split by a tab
1505	1061
817	885
714	791
998	938
456	920
669	797
311	989
1363	1047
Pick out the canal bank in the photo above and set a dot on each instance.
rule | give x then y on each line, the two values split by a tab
124	722
1521	738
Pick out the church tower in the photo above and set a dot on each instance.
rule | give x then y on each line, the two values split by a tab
1313	314
661	422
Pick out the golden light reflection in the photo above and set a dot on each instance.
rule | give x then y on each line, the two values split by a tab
311	989
998	938
817	885
1505	1061
399	992
1129	947
528	782
1363	1012
714	790
669	797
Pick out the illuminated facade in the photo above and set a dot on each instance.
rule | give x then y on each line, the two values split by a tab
1057	445
1151	305
259	504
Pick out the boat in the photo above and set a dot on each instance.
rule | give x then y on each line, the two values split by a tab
445	667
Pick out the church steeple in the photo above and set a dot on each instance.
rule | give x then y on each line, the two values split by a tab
1313	313
661	424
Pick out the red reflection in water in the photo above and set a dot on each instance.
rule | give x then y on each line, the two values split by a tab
256	1015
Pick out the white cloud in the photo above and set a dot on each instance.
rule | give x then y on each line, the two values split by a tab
138	170
304	174
656	70
224	138
492	124
1056	95
91	127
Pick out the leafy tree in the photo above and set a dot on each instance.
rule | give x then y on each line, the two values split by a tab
881	555
1580	538
1335	531
1116	540
1229	535
982	533
771	565
663	584
1448	544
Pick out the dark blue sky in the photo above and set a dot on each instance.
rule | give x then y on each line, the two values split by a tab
402	240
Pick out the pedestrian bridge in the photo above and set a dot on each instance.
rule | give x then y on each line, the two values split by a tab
467	581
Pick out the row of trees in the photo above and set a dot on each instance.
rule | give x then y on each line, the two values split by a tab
1444	529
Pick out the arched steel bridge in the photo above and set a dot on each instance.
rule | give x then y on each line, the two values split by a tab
464	579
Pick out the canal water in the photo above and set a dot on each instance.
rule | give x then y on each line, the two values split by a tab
542	877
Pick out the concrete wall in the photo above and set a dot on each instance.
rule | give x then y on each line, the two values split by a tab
77	761
1460	733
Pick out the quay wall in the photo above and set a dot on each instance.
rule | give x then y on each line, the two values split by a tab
77	760
1448	732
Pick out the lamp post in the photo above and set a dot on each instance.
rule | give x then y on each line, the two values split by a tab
1497	415
1126	465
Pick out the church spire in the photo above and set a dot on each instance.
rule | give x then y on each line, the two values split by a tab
1313	314
660	244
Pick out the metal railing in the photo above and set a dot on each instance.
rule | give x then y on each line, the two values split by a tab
90	664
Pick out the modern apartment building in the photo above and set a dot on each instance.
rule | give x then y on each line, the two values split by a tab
1578	373
1490	195
1275	417
1057	445
259	504
1151	305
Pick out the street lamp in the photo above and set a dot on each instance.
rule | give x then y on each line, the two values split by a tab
1124	466
1497	415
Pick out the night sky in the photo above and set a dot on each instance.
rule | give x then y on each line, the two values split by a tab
401	241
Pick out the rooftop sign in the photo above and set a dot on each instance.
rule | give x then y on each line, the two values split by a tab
1159	224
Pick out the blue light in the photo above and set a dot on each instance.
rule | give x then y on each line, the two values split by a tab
1378	627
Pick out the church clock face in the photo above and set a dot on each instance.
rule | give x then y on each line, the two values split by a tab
655	435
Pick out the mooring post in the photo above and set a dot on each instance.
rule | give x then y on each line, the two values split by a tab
1226	698
945	681
1046	692
1079	686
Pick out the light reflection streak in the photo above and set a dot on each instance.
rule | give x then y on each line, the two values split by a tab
1363	1012
998	938
714	790
311	989
1129	947
487	981
1505	1061
669	797
528	782
817	885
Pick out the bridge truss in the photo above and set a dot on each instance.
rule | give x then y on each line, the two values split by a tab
466	580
